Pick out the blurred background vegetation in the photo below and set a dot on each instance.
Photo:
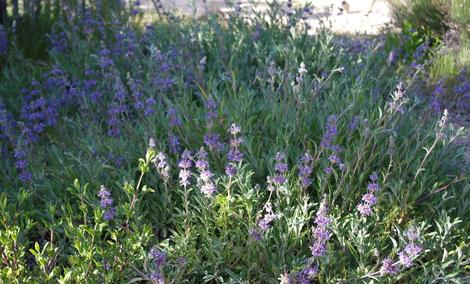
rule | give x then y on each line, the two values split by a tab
445	22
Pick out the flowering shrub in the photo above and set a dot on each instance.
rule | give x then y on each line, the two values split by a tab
242	153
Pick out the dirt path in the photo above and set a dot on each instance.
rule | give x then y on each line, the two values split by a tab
359	19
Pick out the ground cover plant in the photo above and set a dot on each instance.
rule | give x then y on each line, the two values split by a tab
224	152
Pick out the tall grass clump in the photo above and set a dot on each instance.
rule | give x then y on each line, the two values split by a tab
221	152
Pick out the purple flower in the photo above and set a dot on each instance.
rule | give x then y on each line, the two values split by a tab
374	177
412	234
175	121
307	275
58	42
158	256
392	57
109	214
211	112
162	166
405	259
3	41
21	165
184	165
328	170
106	202
157	277
364	209
212	140
234	154
281	167
234	129
174	143
369	199
354	123
411	250
373	187
334	159
388	267
305	166
265	223
321	235
331	131
253	232
208	187
152	143
230	170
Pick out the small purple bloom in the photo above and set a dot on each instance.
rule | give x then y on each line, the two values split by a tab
106	202
364	209
388	267
230	170
3	41
369	198
253	232
321	234
158	256
157	277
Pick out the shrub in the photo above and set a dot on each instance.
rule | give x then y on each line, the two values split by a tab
239	152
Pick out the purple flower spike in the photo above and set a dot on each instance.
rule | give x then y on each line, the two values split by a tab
321	234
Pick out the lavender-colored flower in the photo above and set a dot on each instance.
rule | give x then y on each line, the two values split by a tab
334	159
174	143
307	275
255	234
231	170
109	214
281	167
234	129
411	250
208	187
331	131
305	166
175	121
58	41
21	165
212	140
412	234
152	143
265	223
373	187
388	267
3	41
158	257
328	170
162	166
364	209
105	196
211	112
369	199
321	235
234	154
106	203
405	259
157	277
184	165
354	123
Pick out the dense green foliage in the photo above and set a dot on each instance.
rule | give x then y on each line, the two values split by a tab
93	183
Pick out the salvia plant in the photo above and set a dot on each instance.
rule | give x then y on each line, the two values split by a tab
235	151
